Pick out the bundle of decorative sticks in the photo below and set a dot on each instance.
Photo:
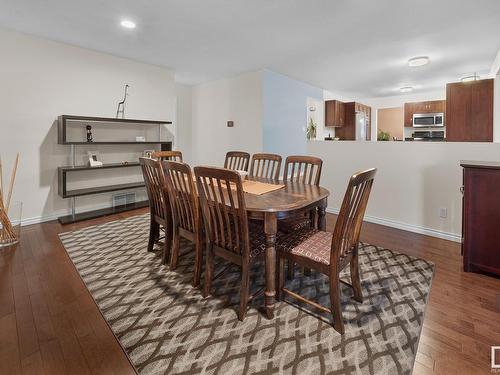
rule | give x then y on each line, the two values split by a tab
7	233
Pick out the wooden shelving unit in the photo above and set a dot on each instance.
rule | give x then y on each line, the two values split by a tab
65	170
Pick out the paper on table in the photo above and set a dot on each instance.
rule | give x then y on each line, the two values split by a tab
259	188
255	187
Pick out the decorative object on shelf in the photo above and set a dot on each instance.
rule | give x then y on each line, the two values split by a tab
94	159
9	229
120	111
140	138
125	162
311	129
383	136
89	133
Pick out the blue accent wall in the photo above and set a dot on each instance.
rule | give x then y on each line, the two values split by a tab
284	113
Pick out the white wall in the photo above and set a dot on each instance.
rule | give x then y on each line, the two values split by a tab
183	121
414	180
237	99
41	80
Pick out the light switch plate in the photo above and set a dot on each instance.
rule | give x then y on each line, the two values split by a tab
443	213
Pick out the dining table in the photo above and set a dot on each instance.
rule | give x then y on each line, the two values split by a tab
294	198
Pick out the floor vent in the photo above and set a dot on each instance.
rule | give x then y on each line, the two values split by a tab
123	199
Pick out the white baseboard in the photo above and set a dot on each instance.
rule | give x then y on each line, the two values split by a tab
40	219
408	227
55	215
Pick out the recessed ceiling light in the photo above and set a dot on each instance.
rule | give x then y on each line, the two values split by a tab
418	61
128	24
406	89
471	78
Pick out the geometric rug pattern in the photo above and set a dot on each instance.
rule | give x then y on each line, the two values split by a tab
167	327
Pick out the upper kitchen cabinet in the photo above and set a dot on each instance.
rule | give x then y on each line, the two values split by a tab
469	111
334	113
434	106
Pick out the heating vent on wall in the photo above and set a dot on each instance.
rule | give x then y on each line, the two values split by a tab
123	199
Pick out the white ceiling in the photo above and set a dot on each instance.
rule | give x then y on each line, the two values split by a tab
357	47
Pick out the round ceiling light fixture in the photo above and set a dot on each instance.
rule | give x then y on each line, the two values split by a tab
406	89
128	24
418	61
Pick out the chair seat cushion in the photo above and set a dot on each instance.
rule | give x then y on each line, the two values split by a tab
308	243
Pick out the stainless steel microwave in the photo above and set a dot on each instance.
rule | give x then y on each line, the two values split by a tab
428	120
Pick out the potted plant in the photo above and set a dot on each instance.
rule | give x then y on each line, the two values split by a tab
383	136
311	129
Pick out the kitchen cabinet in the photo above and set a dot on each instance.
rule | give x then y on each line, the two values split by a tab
480	217
433	106
469	111
348	131
334	113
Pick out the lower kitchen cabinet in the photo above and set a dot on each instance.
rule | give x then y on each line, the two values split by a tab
481	217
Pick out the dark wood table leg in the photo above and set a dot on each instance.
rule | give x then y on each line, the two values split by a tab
270	229
322	214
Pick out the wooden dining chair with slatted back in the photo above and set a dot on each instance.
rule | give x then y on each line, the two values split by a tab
265	166
185	213
329	253
227	228
167	156
237	160
307	170
159	205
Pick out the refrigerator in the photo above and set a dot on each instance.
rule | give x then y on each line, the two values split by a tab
361	126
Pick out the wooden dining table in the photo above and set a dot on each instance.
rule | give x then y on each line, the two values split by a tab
293	199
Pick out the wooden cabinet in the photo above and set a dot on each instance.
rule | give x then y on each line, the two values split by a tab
433	106
334	113
348	131
409	111
481	216
469	111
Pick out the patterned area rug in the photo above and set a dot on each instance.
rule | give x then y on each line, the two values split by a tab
167	327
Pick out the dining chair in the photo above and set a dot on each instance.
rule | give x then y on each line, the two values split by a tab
329	253
185	213
227	227
159	205
167	155
307	170
265	166
237	160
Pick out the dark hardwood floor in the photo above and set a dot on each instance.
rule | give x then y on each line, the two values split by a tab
49	323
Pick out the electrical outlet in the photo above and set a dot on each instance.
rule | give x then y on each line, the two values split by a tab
443	213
